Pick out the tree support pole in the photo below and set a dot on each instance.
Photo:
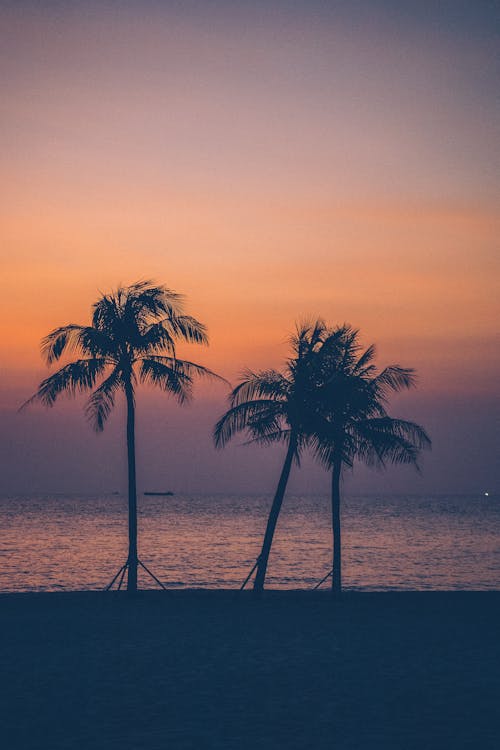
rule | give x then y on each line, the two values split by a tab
120	582
323	580
122	569
250	574
121	576
152	575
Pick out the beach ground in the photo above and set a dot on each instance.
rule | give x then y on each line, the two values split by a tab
217	669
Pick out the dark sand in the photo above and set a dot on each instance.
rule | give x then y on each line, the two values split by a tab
191	669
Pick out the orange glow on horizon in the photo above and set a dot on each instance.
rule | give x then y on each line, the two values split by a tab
317	177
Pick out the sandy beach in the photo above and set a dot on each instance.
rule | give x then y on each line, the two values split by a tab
195	669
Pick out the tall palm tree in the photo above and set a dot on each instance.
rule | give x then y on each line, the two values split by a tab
352	421
273	406
131	340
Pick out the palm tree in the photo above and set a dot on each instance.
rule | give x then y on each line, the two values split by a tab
131	340
273	406
353	422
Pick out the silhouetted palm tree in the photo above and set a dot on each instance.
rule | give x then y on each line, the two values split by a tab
273	406
353	422
131	339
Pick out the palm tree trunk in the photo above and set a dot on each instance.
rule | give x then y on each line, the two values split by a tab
258	585
337	541
132	491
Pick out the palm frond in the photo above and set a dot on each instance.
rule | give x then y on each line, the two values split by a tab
161	336
349	347
100	404
386	439
153	299
65	338
364	364
78	376
326	448
188	367
255	416
395	378
187	328
168	374
144	303
265	384
377	452
279	435
397	428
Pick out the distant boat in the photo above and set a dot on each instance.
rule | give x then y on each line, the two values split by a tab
162	494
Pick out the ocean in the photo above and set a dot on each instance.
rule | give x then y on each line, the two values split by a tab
397	542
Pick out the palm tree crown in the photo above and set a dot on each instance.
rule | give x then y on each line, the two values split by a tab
351	408
131	338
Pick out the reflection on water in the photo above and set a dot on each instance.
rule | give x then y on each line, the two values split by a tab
398	542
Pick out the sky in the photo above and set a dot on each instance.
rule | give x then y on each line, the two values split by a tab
274	162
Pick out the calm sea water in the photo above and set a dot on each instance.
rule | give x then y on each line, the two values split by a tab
397	542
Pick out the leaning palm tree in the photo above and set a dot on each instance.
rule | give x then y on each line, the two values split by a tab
131	340
353	424
272	406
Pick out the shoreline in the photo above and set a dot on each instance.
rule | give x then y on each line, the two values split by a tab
201	593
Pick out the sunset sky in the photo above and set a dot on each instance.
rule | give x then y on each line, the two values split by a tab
273	161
